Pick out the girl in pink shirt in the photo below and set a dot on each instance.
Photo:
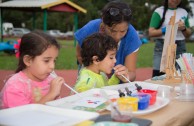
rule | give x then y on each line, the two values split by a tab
32	82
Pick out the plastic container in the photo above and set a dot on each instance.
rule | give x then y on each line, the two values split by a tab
121	114
144	100
129	101
152	93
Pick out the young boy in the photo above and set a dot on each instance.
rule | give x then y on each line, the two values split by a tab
98	57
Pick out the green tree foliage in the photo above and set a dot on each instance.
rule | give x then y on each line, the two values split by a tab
141	14
92	10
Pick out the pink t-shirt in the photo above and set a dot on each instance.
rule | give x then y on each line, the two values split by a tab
20	90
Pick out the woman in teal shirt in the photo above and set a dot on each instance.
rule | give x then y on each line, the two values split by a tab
160	19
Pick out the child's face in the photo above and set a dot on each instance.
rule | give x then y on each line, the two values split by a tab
41	66
108	63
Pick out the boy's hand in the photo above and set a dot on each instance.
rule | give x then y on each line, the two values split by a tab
121	70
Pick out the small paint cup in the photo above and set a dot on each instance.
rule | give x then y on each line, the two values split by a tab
128	101
144	100
152	93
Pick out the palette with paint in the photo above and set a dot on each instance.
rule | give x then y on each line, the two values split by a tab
92	100
146	88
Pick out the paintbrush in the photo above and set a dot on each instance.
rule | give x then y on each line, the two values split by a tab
53	74
126	78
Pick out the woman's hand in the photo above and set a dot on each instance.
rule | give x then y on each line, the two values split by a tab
121	70
186	31
181	25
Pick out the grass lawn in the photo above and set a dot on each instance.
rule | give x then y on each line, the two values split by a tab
67	60
145	55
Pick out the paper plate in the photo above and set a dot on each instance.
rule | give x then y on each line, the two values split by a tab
42	115
160	103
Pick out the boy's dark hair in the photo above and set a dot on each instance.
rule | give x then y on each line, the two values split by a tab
116	12
96	44
34	44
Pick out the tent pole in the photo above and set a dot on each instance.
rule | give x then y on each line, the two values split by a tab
45	20
1	23
33	20
75	25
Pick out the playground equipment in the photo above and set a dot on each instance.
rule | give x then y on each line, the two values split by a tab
8	47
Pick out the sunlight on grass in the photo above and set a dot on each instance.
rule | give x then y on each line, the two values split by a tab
67	57
145	56
65	60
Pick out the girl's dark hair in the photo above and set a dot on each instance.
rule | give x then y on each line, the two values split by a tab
164	12
96	44
123	15
34	44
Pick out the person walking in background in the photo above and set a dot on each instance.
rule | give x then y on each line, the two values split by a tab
115	22
98	57
32	82
159	20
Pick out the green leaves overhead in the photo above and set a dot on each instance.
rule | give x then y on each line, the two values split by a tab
141	9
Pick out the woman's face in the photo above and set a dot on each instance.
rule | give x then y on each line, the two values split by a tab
173	3
117	31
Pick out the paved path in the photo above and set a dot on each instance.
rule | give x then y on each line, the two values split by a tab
71	75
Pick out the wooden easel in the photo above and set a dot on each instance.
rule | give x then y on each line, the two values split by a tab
170	70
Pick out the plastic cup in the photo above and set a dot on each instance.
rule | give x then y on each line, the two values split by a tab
186	90
144	100
164	92
121	112
152	93
128	101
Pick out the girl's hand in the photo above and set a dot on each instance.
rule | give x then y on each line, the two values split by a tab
181	25
54	91
186	31
55	86
121	70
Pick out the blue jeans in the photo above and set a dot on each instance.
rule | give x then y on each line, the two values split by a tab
181	48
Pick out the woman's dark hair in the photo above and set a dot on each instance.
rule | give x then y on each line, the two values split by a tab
164	12
123	13
96	44
34	44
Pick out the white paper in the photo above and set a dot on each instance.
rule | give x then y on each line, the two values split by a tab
91	102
